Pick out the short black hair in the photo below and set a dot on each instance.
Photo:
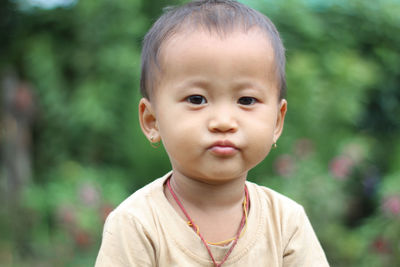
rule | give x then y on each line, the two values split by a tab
219	16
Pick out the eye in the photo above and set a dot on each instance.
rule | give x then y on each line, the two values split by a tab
247	101
196	100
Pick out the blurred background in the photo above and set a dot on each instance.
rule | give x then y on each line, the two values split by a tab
71	146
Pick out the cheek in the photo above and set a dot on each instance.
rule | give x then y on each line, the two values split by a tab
178	138
259	153
260	141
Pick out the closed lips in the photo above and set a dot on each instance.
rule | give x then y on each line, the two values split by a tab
223	148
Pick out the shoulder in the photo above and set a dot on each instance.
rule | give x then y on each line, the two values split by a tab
140	206
281	213
299	242
130	231
274	201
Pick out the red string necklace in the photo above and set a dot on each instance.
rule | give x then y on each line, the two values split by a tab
196	228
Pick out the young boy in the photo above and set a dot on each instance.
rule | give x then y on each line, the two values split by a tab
213	86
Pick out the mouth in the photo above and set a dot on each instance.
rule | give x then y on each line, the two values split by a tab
223	148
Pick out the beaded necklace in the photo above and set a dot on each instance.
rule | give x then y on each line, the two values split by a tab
234	240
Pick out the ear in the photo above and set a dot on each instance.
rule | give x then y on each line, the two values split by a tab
148	121
280	119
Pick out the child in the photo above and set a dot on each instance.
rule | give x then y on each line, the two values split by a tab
213	86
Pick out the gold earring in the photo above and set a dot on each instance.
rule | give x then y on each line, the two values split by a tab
154	144
274	145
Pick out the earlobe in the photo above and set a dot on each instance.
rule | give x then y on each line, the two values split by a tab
280	119
148	121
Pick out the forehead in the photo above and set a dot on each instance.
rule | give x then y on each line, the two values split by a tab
211	60
201	46
202	36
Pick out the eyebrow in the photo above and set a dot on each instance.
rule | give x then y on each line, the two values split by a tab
194	82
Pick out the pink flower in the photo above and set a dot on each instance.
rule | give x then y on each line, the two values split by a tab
66	215
341	167
82	238
391	205
381	245
304	148
89	195
285	165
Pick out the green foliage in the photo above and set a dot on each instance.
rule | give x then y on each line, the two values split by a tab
339	154
67	213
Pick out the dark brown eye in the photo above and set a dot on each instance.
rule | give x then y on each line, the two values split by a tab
247	100
196	100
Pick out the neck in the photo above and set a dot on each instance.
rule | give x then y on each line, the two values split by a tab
209	206
206	196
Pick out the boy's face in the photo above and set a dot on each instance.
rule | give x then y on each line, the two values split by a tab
216	105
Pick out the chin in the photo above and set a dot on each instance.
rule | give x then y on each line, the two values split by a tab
221	176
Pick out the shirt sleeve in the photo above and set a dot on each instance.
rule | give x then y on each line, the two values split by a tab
125	243
303	247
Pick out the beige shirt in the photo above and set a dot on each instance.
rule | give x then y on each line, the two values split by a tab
145	230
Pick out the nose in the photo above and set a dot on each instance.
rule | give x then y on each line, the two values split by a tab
222	121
